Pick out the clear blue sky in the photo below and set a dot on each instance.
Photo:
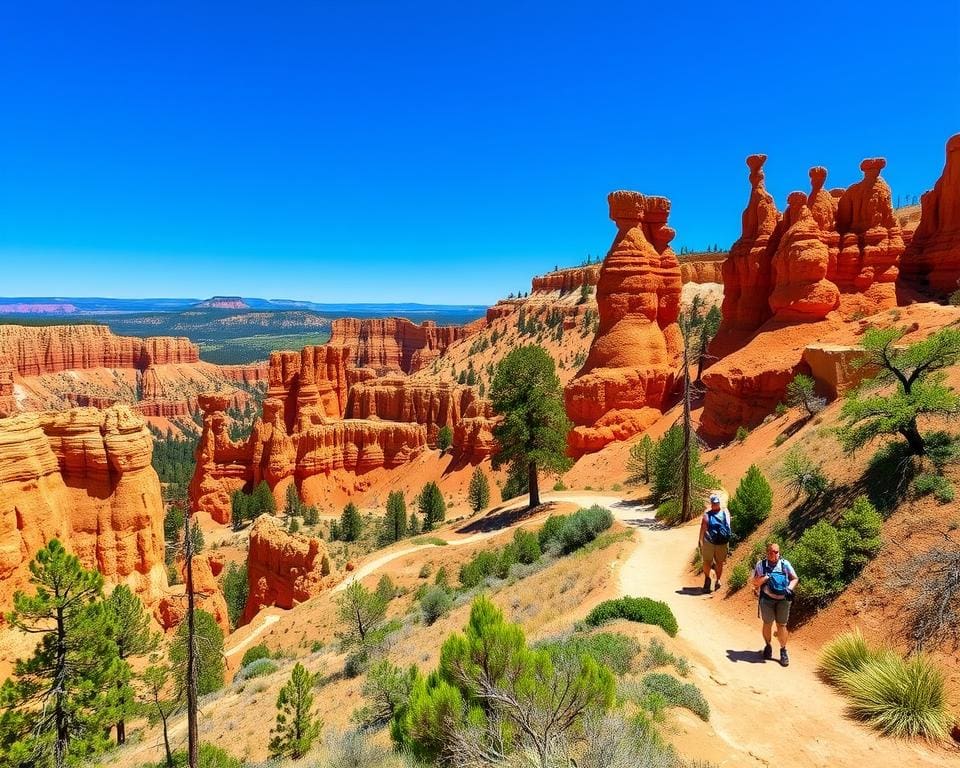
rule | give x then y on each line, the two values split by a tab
439	153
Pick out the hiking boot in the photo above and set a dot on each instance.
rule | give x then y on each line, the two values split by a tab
706	585
767	652
784	659
716	587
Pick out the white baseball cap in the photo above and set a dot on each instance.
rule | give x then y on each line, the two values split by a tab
714	498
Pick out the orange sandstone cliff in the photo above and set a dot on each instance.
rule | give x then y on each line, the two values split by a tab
82	476
633	362
932	260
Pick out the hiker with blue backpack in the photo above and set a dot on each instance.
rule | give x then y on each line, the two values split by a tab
776	579
714	540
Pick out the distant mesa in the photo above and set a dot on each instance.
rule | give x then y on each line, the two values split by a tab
222	302
36	308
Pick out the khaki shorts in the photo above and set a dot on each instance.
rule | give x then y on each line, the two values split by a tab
774	610
713	553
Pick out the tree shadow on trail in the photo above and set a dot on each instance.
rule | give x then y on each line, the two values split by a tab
503	518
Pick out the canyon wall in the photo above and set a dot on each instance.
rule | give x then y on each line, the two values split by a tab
82	476
395	344
566	280
635	356
932	261
34	351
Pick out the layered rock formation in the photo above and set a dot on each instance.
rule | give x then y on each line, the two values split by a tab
82	476
8	402
702	269
317	446
566	280
633	362
831	255
283	569
51	349
395	344
432	404
933	259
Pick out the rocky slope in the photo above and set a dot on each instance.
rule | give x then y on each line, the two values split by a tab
82	476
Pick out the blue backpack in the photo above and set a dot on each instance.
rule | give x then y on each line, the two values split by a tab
718	532
779	581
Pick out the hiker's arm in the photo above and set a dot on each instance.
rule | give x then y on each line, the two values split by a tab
794	579
759	579
703	528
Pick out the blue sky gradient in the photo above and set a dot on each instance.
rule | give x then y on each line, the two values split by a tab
439	153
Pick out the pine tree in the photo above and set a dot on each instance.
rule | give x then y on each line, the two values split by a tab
413	526
478	491
61	701
395	521
263	502
153	683
445	434
235	591
361	612
533	432
296	727
432	507
128	625
351	524
751	503
640	463
239	509
209	653
293	506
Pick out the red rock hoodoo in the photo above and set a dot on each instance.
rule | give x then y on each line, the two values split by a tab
283	569
82	476
830	256
634	359
932	260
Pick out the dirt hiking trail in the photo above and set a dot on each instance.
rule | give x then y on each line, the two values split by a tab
778	716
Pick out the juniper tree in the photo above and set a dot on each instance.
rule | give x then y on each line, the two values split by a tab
433	509
61	701
802	391
916	371
361	612
533	432
351	524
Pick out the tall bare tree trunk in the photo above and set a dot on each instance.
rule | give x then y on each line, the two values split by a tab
533	485
192	732
686	502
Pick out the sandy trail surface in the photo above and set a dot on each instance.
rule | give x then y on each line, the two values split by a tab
778	716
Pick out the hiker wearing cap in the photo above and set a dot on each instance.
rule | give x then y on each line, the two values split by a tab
714	538
776	579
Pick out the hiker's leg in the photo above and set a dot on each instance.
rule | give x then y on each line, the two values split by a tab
783	634
767	632
706	554
720	557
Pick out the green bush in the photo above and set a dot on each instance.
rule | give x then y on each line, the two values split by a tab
576	530
642	610
482	565
254	652
613	650
506	560
208	756
845	654
559	486
941	488
751	503
676	693
802	474
425	570
310	516
738	577
899	697
434	604
860	536
742	433
528	546
818	560
256	668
